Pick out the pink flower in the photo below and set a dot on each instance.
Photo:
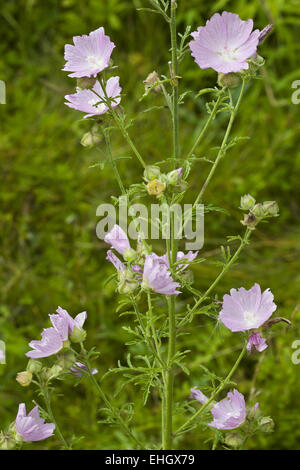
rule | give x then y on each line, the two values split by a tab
79	369
53	338
89	55
198	395
265	32
229	413
256	341
190	256
50	344
157	277
244	310
118	239
224	43
92	101
31	427
115	261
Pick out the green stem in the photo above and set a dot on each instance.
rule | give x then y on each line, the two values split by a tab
174	71
204	129
45	392
244	242
113	163
223	145
120	123
217	391
114	412
167	418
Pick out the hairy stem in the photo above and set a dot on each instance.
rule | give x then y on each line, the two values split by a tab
46	396
205	127
120	123
168	402
113	163
115	413
222	149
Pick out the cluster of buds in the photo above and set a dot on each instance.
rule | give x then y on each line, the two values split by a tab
158	183
91	138
46	374
257	211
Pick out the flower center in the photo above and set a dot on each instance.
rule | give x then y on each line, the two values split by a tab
250	319
228	55
96	62
233	414
100	106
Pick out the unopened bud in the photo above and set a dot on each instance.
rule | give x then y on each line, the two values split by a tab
85	82
130	255
271	208
54	372
234	440
78	335
6	442
66	360
266	424
247	202
173	177
151	172
156	188
127	282
34	366
152	78
90	139
24	378
228	80
258	210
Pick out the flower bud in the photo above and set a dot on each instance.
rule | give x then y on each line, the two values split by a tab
152	78
54	371
228	80
266	424
130	255
90	139
49	373
258	210
24	378
6	442
151	172
85	82
234	439
271	208
66	360
34	366
247	202
127	282
78	335
156	188
173	177
255	63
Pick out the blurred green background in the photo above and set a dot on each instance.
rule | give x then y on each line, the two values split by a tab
50	190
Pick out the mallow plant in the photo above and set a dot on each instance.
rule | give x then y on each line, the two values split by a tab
149	284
